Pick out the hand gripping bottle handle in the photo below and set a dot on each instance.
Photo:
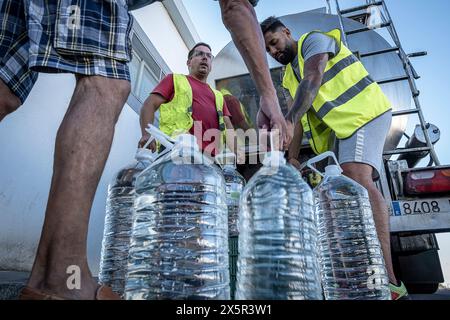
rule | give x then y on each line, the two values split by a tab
146	154
162	138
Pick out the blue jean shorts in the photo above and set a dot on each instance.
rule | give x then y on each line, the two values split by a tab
62	36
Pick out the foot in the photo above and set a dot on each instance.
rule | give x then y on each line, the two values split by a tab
399	292
102	293
57	282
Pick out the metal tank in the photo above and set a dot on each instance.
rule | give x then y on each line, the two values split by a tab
417	140
229	69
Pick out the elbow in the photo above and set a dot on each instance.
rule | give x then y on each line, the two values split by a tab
315	81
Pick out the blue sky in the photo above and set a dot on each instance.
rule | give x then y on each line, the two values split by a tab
422	26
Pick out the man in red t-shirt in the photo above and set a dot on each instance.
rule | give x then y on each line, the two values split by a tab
204	111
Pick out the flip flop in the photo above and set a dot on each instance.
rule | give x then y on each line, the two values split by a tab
103	293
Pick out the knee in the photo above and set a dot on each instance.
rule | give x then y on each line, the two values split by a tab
122	89
360	174
106	88
111	93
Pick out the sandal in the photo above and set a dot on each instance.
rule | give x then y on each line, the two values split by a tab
103	293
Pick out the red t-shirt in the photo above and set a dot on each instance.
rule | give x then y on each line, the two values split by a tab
234	106
203	105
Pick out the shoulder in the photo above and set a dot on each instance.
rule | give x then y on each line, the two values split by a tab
318	38
168	78
231	101
165	87
318	43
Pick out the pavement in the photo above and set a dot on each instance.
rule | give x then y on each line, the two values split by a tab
441	294
11	282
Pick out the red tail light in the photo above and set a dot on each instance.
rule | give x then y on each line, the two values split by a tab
435	181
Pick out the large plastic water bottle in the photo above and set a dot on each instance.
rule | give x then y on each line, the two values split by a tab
277	236
179	243
352	264
118	221
235	183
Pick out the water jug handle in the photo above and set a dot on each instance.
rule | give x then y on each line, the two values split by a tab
162	138
223	155
319	158
272	140
152	138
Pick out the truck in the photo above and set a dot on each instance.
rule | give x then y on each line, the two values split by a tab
417	195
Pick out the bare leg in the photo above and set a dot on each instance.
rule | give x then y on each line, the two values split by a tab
362	173
83	143
9	102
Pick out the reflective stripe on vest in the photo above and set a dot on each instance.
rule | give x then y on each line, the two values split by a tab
176	115
348	98
317	133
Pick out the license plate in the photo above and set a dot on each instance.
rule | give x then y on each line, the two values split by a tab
426	206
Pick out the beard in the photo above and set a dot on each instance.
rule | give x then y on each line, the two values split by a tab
204	70
288	55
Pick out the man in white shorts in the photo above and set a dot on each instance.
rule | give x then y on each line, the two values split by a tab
337	105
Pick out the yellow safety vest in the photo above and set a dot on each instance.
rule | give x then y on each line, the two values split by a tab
176	115
249	121
347	100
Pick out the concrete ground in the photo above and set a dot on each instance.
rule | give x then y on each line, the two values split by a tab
442	294
12	282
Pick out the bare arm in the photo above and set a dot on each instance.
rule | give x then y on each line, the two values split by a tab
147	116
308	87
239	18
228	123
294	148
243	125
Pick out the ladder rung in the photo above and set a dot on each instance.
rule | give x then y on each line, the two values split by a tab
373	53
358	8
417	54
383	25
404	112
395	79
404	150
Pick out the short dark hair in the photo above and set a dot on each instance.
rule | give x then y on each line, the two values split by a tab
191	53
271	24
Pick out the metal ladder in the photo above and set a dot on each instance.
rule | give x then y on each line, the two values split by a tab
410	74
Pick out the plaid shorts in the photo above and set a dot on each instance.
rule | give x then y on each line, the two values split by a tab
88	37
